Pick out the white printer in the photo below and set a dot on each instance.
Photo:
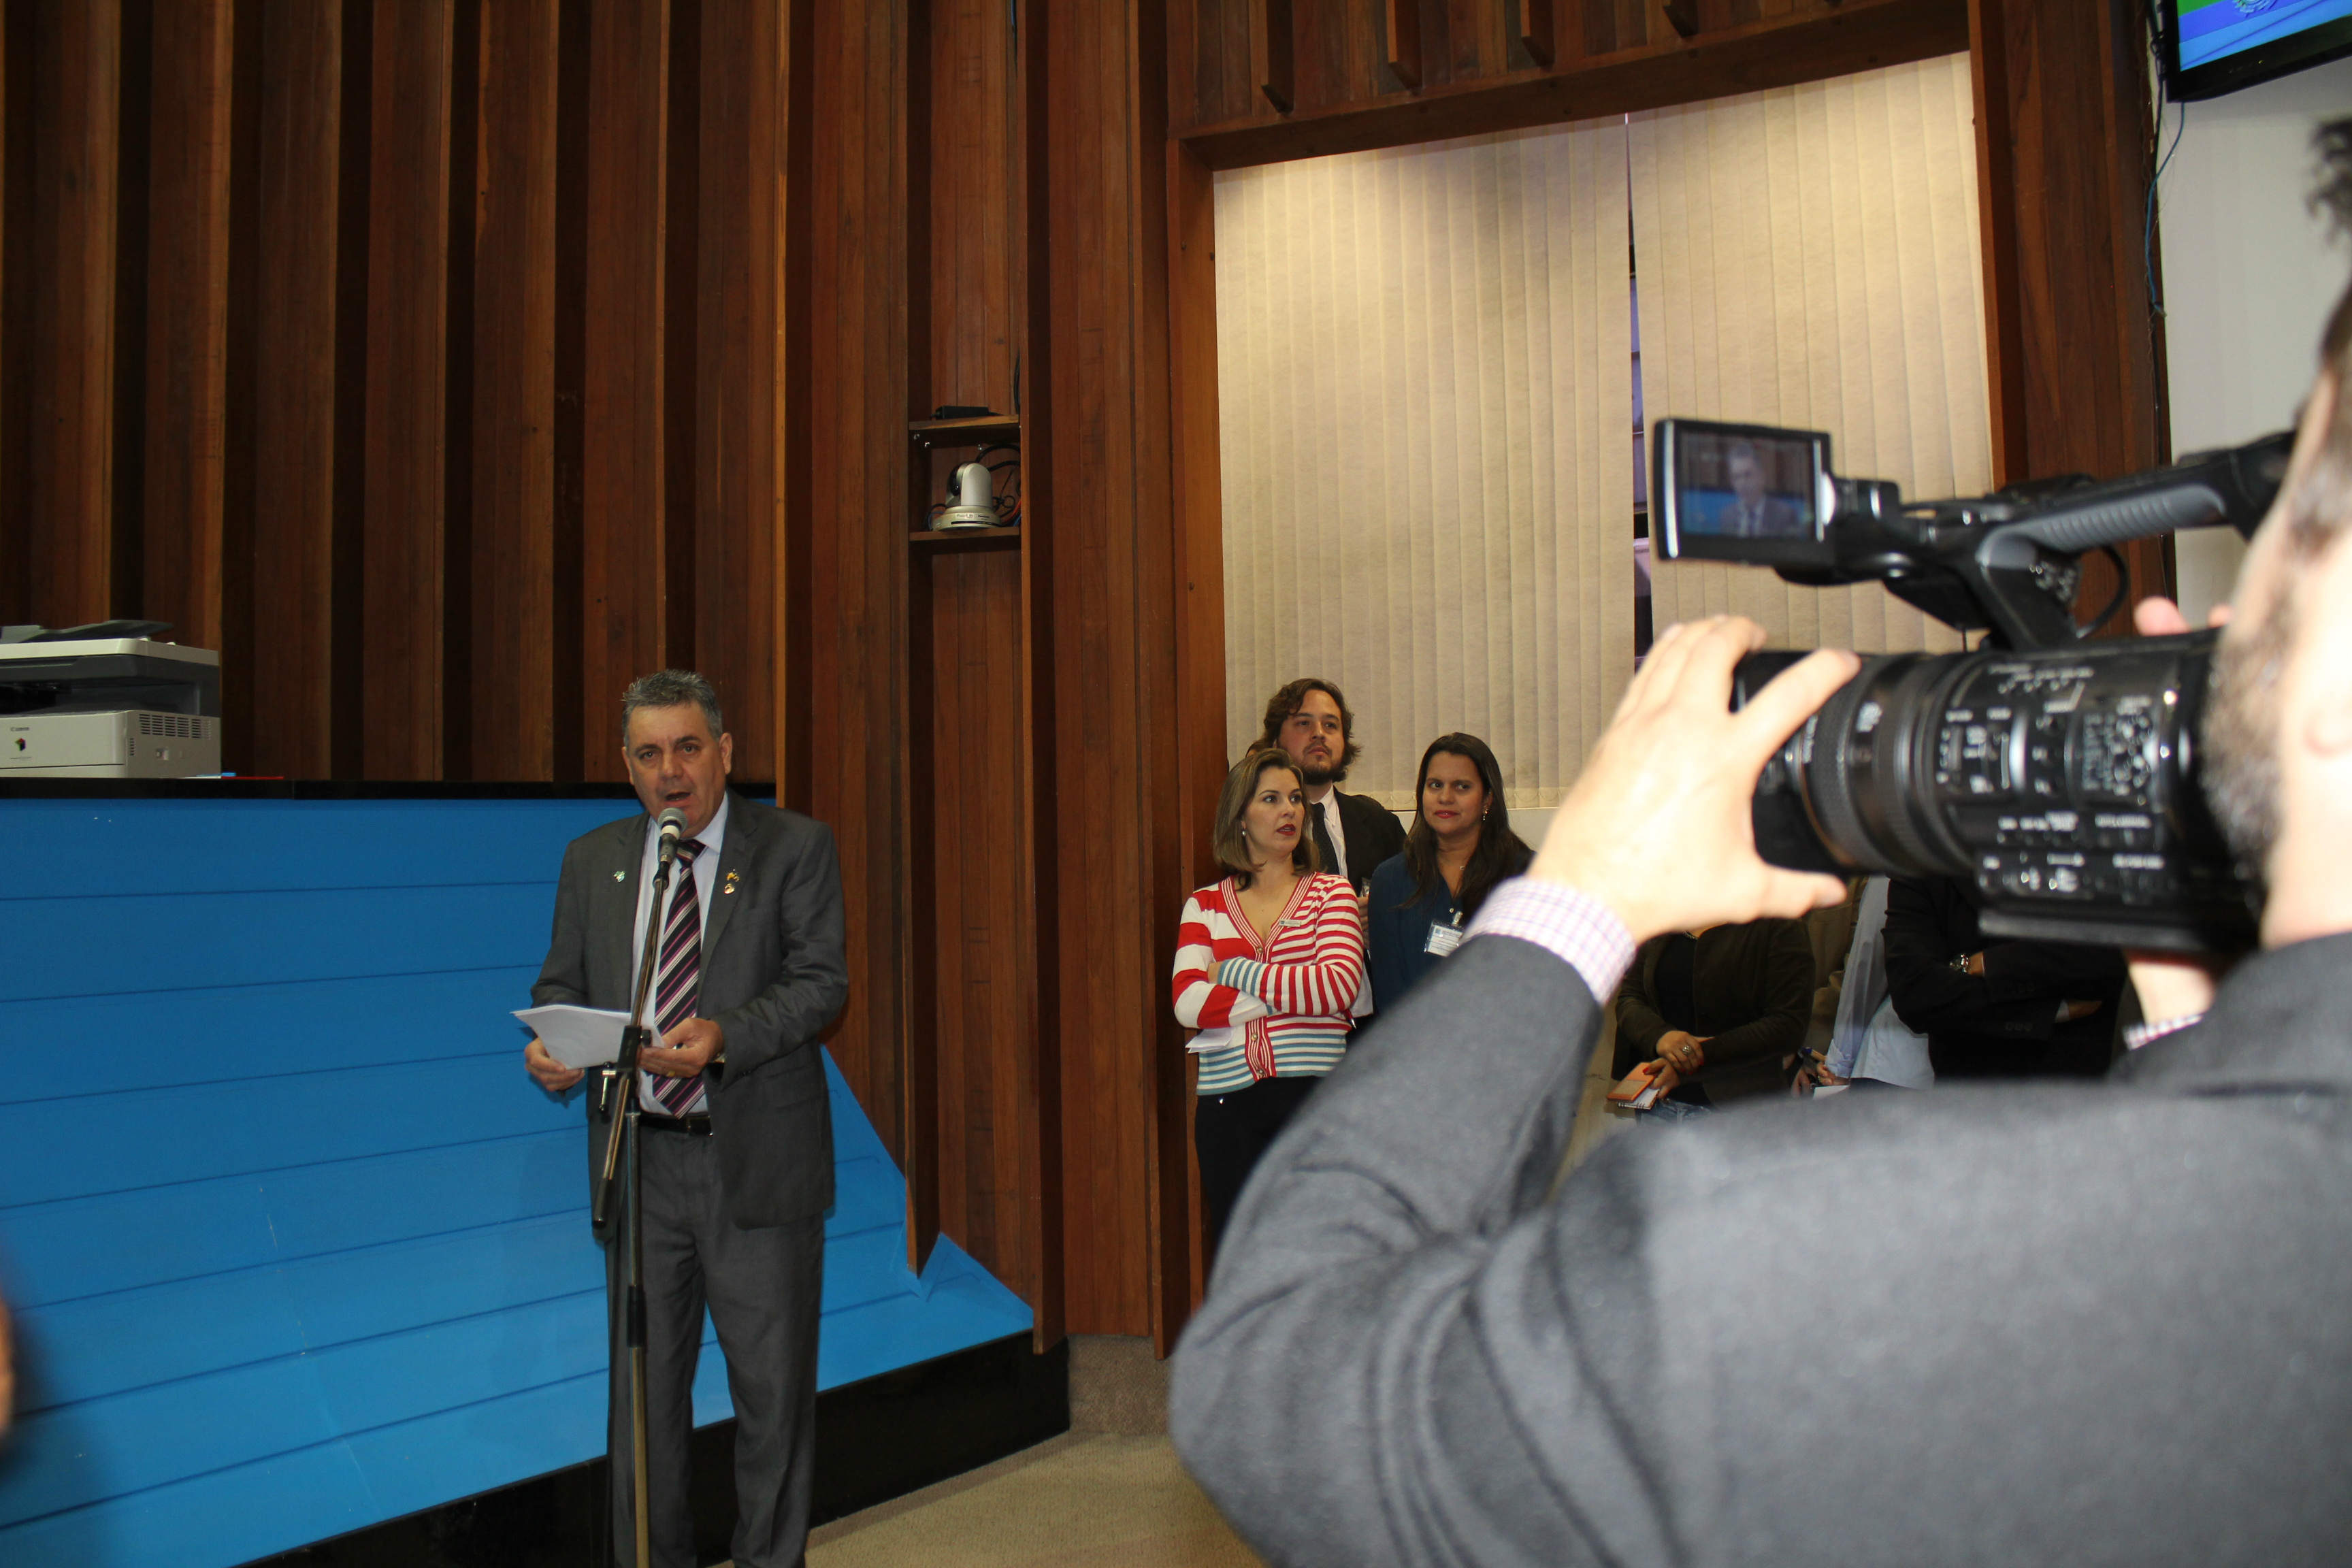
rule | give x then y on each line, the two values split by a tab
106	701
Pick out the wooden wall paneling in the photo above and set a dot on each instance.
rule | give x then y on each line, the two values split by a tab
797	525
972	229
1271	51
187	318
134	97
1615	77
1040	771
1109	589
933	924
974	1122
69	550
1539	31
855	493
567	727
239	478
407	389
736	584
1169	1177
513	535
468	24
1475	42
1997	236
681	335
1197	496
353	325
299	203
16	182
986	1091
936	155
1211	45
621	586
1403	37
2064	99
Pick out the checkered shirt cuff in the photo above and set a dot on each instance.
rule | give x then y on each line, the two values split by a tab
1579	931
2138	1034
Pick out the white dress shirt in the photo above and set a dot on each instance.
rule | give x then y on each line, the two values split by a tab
1329	807
706	879
1338	828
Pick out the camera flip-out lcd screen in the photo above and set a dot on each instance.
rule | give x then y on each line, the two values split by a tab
1741	493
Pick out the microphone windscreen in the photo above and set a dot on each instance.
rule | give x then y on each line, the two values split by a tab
672	821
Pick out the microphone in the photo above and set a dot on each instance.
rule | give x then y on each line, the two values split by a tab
673	828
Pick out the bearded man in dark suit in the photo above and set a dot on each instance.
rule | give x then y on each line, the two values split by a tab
737	1139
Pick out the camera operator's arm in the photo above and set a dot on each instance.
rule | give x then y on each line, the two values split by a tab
1784	1004
2174	988
1345	1393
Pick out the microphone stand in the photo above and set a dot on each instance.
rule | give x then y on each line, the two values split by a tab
627	1304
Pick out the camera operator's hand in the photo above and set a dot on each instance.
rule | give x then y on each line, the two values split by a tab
1657	827
2172	984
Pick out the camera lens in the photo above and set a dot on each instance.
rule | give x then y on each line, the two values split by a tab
2060	784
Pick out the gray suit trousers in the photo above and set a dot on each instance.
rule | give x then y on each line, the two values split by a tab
762	1288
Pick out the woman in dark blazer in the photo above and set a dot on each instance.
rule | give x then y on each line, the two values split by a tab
1461	846
1720	1007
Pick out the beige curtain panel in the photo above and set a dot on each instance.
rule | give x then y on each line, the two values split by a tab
1424	373
1808	257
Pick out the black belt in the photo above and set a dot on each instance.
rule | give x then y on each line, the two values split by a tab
695	1126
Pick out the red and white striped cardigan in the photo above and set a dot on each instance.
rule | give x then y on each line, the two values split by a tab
1270	1005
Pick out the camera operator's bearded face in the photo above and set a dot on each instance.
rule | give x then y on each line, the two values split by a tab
2279	731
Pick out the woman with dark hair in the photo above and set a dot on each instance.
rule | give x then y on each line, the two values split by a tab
1461	846
1267	959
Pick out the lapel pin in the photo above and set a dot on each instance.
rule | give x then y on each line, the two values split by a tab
620	876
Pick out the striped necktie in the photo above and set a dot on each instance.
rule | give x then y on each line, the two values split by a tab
678	988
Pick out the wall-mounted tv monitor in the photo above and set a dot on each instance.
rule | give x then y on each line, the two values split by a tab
2214	46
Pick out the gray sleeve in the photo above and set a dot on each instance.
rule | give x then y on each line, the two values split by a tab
1356	1388
563	978
813	977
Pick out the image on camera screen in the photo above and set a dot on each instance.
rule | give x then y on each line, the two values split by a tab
1745	486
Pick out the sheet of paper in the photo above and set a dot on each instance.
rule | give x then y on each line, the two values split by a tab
578	1036
1209	1040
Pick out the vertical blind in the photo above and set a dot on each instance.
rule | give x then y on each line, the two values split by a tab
1808	257
1425	380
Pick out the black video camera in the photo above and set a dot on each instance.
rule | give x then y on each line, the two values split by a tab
2056	775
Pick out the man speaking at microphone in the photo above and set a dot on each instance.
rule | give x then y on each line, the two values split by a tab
738	1139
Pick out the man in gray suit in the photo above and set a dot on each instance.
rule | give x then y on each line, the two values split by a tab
737	1135
2079	1324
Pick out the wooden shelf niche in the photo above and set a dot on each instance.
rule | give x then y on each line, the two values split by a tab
978	1113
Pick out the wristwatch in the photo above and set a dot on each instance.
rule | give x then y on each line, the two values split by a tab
1960	962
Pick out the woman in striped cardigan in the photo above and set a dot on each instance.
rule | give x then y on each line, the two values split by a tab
1266	963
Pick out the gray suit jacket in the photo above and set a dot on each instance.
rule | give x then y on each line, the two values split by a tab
2099	1323
772	976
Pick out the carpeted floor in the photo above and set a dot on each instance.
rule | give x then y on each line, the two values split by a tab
1086	1500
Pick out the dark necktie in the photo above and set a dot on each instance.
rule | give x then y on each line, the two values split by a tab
1323	842
678	988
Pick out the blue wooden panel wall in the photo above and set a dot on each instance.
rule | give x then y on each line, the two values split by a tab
295	1245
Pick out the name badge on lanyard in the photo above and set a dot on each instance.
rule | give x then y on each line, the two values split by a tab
1444	936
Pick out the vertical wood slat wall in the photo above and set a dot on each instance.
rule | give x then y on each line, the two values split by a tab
308	351
684	214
